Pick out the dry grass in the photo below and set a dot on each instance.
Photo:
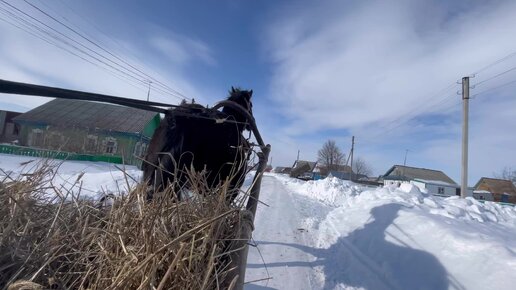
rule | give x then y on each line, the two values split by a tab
65	242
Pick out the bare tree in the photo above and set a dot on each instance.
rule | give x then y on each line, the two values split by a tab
330	156
506	173
360	167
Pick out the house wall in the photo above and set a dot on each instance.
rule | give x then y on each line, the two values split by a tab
483	196
420	185
434	188
3	117
394	182
497	196
84	141
446	190
151	126
8	129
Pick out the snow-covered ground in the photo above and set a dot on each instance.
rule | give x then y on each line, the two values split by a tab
332	234
96	178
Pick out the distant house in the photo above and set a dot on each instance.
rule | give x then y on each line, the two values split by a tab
483	195
280	169
433	181
9	131
303	169
341	169
88	128
501	190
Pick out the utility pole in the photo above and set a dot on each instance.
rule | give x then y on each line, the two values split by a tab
148	92
297	159
465	112
405	160
351	156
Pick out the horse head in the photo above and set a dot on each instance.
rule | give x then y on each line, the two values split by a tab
243	98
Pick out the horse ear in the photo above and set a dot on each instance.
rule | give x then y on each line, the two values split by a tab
250	93
232	89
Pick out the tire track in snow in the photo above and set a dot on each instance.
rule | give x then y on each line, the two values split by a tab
281	235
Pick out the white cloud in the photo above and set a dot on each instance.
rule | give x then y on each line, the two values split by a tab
180	49
363	65
26	58
379	60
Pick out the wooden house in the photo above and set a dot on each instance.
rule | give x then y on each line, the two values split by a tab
501	190
303	169
9	131
88	128
282	169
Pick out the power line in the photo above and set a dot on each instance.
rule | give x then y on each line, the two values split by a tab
495	76
431	97
59	36
105	50
33	27
23	17
493	88
24	27
400	121
92	24
495	63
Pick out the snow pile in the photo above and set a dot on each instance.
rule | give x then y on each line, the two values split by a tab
400	238
96	178
336	193
330	191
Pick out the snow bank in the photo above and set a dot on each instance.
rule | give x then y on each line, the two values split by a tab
400	238
97	178
330	191
336	193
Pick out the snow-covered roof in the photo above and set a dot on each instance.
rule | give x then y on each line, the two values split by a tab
400	172
481	191
437	182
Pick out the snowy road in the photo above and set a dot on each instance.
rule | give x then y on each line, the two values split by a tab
333	234
284	221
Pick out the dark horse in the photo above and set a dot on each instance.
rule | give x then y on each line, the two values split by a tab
191	137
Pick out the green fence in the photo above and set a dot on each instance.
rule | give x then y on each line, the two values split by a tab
43	153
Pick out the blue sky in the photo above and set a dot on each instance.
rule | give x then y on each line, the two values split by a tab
382	71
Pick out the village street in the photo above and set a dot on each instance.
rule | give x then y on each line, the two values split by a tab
282	229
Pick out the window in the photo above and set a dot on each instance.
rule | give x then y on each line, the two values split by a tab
140	148
54	140
110	145
440	190
36	138
91	143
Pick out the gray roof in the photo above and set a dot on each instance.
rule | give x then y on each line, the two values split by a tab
301	163
400	172
85	114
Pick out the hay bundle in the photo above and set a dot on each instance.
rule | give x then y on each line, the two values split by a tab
65	242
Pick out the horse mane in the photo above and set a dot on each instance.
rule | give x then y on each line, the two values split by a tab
243	98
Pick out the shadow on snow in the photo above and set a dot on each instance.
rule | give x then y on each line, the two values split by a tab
365	259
